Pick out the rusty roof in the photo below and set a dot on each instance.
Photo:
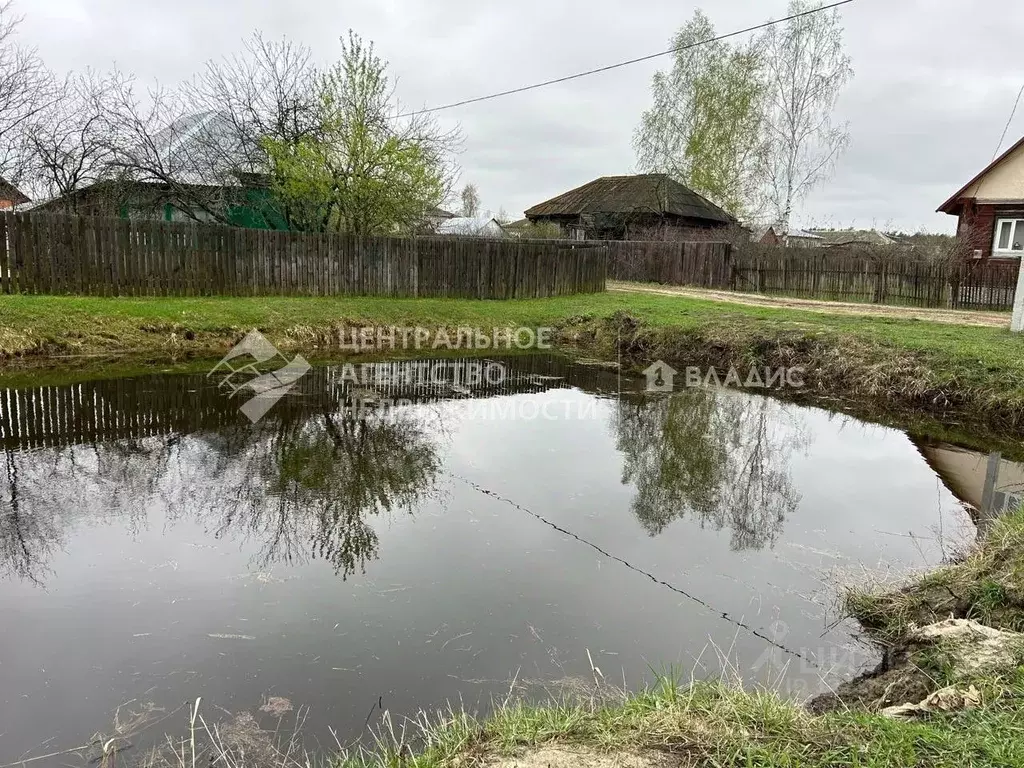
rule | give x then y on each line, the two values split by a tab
644	193
10	192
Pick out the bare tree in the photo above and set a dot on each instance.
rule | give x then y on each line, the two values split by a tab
26	89
196	143
156	138
806	68
470	200
68	142
269	91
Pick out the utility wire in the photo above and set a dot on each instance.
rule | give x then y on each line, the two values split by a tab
759	634
610	67
1013	113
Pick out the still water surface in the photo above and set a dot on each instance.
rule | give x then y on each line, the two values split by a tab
155	546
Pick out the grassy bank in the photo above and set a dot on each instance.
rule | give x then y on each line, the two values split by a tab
713	725
971	373
987	586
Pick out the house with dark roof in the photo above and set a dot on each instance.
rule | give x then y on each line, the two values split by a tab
11	196
644	206
990	207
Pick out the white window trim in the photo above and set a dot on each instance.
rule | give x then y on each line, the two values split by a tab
1016	236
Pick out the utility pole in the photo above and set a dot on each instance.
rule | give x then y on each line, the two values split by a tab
987	513
1017	323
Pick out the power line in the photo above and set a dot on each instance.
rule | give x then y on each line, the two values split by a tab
1013	112
610	67
760	634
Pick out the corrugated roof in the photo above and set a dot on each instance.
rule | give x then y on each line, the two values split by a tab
803	235
469	226
201	148
854	237
651	193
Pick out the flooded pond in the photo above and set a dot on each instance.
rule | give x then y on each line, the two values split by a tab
157	546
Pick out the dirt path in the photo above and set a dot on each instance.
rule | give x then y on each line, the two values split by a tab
956	317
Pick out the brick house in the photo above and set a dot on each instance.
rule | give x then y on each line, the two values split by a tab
991	208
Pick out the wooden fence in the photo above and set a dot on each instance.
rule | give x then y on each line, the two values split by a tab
57	254
878	275
704	264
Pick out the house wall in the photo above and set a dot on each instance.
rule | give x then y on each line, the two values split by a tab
637	226
965	473
977	223
1004	182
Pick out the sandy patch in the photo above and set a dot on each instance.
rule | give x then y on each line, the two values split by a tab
952	316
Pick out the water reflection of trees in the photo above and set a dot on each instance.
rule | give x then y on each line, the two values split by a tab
721	457
297	488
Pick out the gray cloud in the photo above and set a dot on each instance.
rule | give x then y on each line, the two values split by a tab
934	86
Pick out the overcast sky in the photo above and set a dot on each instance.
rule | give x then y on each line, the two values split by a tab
935	80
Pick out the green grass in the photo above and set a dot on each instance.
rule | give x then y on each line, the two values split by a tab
713	724
988	586
116	325
896	363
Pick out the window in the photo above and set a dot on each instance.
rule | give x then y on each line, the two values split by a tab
1009	237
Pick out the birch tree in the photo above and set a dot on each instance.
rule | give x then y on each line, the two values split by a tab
705	126
369	170
805	69
470	200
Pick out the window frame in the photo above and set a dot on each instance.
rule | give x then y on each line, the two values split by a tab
1016	235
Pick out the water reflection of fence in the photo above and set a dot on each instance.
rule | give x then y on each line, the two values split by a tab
131	409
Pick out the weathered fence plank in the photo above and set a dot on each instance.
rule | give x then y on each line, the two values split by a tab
42	253
877	277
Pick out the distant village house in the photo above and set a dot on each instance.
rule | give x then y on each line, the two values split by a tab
793	238
11	196
468	226
640	207
435	217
